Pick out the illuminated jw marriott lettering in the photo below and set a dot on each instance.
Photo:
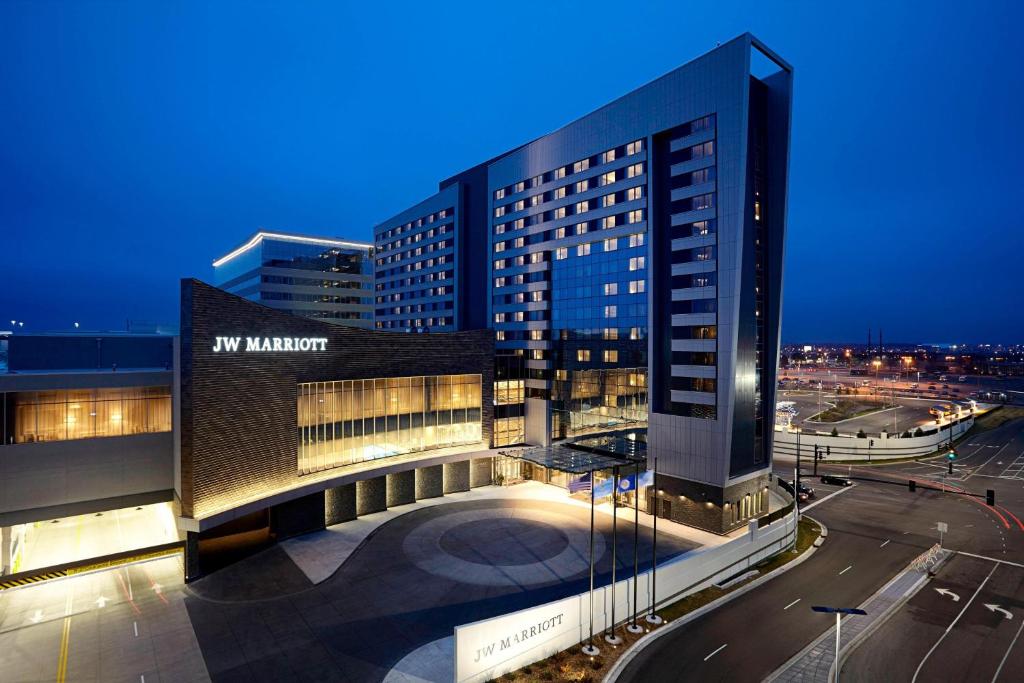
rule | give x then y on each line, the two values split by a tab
233	344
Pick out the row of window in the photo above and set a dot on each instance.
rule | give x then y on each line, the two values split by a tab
418	308
416	265
418	223
438	276
314	282
582	228
440	321
580	166
574	209
312	298
415	294
418	251
580	187
606	334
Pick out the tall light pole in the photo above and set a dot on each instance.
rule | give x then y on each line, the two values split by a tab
611	638
839	612
590	649
653	618
635	627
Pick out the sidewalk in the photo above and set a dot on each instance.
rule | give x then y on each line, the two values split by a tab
815	663
321	553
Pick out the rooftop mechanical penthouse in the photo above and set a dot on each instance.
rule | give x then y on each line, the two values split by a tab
629	266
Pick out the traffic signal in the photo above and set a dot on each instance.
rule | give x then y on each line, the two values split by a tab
828	451
990	498
951	455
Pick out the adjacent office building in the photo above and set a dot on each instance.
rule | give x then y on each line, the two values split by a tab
632	265
313	277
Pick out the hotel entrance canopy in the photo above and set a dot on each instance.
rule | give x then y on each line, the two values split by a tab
587	455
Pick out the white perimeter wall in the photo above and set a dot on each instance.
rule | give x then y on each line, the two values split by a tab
881	447
488	649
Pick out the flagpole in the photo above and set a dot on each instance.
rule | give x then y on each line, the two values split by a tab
635	627
611	638
653	618
590	649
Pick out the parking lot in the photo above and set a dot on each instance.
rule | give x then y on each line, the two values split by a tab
909	413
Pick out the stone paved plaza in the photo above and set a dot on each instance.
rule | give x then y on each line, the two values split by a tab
409	583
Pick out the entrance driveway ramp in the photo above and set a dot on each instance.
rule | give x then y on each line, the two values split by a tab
816	662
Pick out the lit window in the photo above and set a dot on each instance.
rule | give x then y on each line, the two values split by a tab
611	288
637	286
608	157
634	333
634	170
581	228
537	257
560	212
581	166
536	335
499	211
634	147
500	335
518	242
634	193
561	253
559	233
519	205
499	247
498	317
518	224
582	186
611	311
608	222
583	249
537	181
611	333
611	244
583	355
500	263
607	178
559	173
636	216
559	192
611	356
536	354
520	186
536	199
582	207
636	263
636	240
608	200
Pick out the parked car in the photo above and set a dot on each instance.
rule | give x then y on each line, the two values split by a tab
835	481
914	385
805	491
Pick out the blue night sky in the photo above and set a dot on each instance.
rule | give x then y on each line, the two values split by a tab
141	140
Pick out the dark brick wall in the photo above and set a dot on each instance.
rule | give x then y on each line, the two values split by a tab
238	410
401	488
298	516
480	472
456	476
340	504
686	502
429	482
371	495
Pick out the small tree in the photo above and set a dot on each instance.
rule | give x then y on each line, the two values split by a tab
906	434
861	434
918	432
835	432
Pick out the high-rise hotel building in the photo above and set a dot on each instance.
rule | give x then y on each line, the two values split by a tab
630	265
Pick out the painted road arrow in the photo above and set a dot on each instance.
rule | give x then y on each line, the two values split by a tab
101	602
997	608
946	591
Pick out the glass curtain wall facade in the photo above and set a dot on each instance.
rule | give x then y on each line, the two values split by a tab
323	279
64	415
351	421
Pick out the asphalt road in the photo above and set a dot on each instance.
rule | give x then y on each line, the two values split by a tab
910	413
875	530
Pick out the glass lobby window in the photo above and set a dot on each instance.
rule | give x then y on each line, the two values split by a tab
87	413
352	421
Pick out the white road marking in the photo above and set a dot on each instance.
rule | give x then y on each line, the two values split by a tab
715	652
846	570
946	591
996	608
805	508
35	618
792	603
135	627
884	544
952	624
1005	656
101	602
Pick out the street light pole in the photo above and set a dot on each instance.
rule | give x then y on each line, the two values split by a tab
839	612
